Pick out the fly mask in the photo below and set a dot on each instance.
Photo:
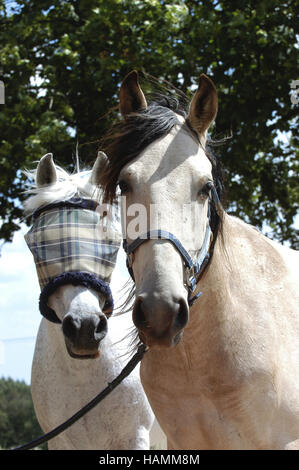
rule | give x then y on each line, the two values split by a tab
71	245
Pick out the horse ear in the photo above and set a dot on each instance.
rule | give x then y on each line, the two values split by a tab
204	105
46	172
98	168
131	96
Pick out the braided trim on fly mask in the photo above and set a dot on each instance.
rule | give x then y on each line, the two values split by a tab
77	202
76	279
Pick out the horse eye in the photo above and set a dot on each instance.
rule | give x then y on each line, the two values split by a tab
205	191
123	186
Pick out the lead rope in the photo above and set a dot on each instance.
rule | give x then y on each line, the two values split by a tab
111	386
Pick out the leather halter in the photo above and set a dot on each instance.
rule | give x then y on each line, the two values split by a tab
192	268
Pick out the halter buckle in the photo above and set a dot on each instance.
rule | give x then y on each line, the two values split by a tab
190	278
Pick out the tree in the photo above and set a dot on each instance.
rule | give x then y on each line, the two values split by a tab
62	80
18	424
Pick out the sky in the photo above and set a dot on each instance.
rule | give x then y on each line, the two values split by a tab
19	313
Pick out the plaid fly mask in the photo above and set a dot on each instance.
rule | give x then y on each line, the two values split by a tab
71	244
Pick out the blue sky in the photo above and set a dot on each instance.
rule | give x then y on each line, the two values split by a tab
19	314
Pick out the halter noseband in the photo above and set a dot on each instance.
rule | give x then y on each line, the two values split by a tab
192	268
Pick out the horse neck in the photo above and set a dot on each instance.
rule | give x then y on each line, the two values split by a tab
244	263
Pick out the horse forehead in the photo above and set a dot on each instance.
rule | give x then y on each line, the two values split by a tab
175	154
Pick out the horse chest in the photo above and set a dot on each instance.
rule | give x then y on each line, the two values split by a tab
202	407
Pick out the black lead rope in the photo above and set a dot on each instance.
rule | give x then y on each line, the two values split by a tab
111	386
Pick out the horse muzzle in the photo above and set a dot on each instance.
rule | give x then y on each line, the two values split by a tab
83	334
160	322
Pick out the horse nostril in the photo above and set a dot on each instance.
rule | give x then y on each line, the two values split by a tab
101	328
138	313
70	326
182	316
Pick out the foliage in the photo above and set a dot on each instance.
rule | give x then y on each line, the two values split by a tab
18	424
63	77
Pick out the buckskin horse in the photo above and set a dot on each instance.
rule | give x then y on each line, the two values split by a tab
216	301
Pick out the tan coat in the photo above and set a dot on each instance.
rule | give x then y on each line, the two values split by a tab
233	380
